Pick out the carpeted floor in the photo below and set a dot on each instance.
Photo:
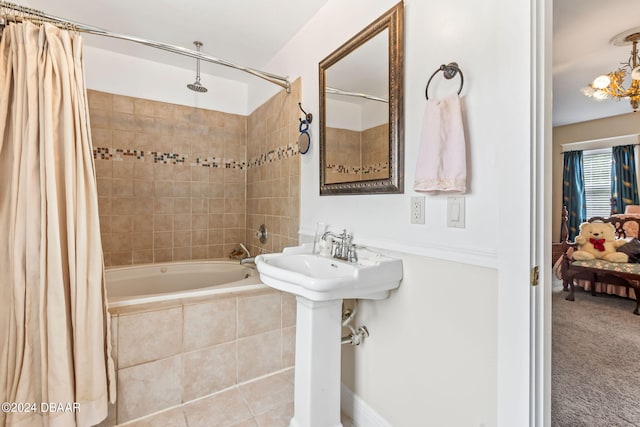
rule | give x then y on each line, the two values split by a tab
595	361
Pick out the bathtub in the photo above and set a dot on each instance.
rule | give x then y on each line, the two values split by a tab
183	331
147	283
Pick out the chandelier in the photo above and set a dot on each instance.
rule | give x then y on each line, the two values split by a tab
611	85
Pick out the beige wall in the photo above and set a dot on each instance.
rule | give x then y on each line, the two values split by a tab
625	124
173	180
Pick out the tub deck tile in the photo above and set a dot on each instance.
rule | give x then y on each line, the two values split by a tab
148	388
149	336
258	314
209	370
210	323
259	355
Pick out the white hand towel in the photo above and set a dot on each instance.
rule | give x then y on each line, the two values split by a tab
442	164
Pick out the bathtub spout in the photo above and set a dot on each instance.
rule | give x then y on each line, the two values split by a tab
248	260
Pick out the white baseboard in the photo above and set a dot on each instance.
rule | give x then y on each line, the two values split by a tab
362	414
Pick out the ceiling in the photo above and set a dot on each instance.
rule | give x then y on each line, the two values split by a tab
251	32
582	32
244	32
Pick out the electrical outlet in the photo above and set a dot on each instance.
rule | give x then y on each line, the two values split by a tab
417	210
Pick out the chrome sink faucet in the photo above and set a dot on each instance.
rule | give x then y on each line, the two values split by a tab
341	245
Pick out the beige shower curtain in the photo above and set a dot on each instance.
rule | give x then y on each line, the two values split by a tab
54	327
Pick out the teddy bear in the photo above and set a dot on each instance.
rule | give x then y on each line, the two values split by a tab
597	240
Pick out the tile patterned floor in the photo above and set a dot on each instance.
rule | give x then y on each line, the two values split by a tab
267	402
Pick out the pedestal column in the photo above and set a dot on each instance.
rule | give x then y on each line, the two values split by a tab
317	369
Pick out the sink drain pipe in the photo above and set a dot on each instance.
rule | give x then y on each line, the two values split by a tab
356	336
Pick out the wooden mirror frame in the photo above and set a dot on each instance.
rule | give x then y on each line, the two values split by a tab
392	20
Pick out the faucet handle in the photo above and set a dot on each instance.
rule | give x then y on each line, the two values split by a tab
352	255
336	249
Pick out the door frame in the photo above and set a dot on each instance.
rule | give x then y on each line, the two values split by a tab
541	345
524	316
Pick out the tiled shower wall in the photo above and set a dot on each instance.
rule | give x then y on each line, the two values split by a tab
375	158
172	180
354	156
344	155
273	176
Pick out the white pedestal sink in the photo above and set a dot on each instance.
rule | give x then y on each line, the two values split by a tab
320	284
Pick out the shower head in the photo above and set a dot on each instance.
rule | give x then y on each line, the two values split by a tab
196	86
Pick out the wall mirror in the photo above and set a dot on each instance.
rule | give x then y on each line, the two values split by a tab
361	111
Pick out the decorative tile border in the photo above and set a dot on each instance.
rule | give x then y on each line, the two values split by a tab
119	154
105	153
219	162
280	153
375	168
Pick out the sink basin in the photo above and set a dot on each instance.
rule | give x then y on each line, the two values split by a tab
320	278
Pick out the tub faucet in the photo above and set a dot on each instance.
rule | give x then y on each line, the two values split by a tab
248	259
246	251
342	248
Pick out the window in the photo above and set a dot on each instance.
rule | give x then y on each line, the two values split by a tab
597	181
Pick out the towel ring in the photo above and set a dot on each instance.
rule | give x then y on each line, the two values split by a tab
449	71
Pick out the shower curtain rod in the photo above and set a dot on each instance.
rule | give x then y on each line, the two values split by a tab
355	94
26	13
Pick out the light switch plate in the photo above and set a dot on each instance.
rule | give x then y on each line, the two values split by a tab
455	212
